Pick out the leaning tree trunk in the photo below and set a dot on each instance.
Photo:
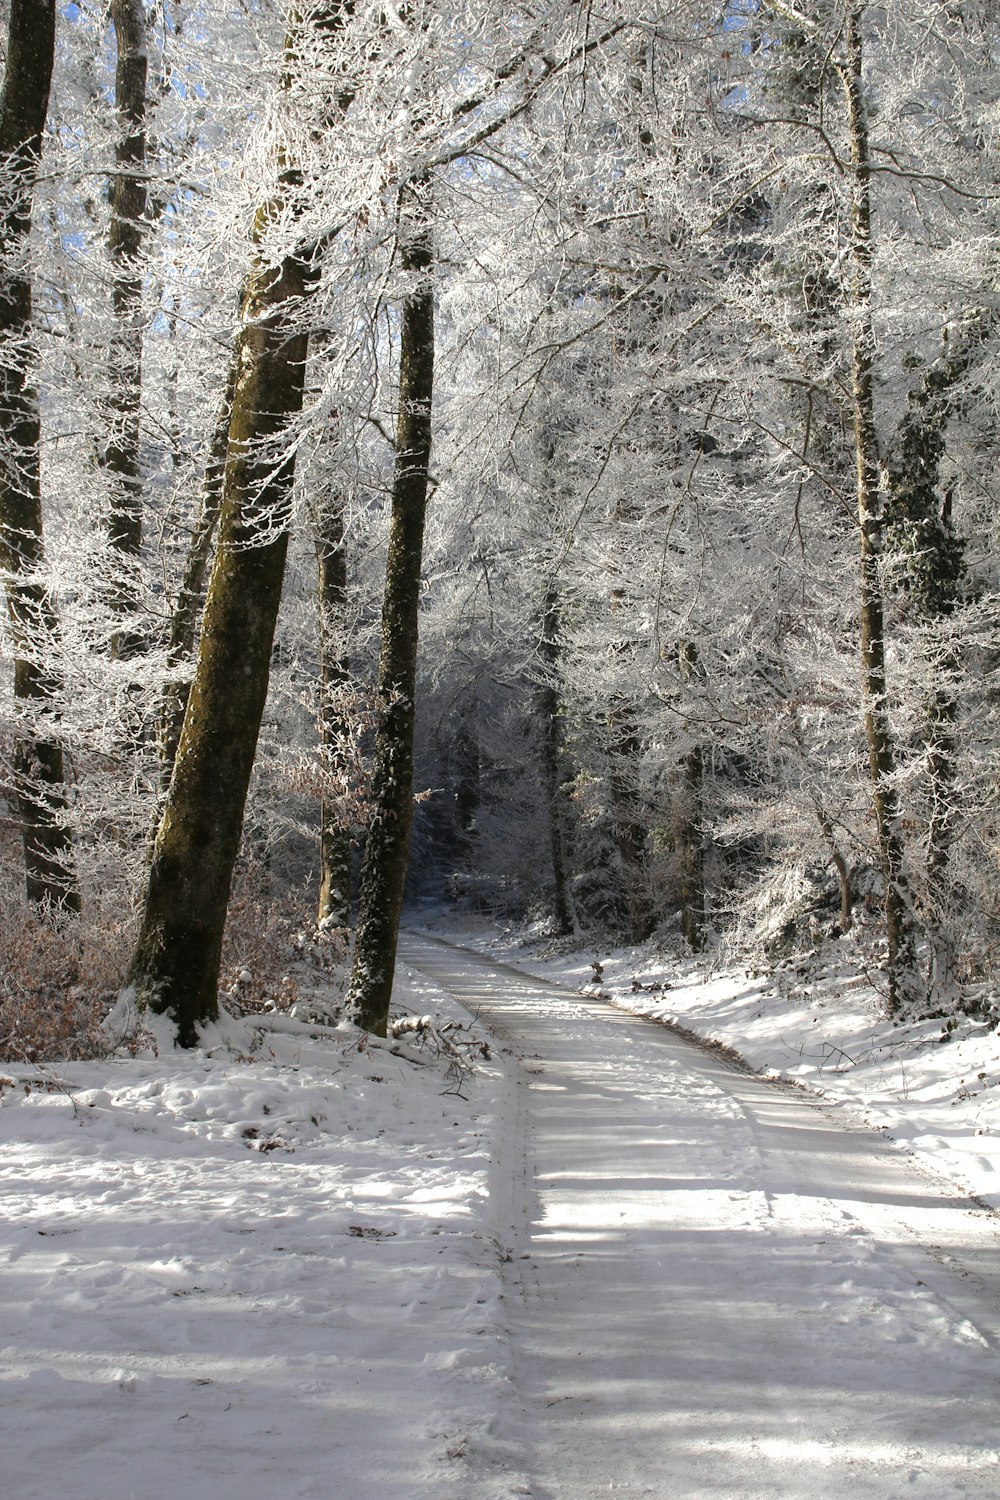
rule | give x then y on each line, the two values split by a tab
900	935
175	965
128	195
387	848
38	759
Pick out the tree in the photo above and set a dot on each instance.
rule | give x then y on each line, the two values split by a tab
128	199
334	904
882	757
175	964
387	844
39	779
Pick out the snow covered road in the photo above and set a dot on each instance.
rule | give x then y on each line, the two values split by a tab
268	1269
716	1287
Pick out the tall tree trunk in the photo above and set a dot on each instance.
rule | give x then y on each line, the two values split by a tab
900	935
128	198
550	716
175	964
334	906
187	608
386	857
176	961
38	758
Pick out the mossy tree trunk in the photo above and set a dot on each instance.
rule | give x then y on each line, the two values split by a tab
39	778
176	961
902	974
175	965
387	847
128	198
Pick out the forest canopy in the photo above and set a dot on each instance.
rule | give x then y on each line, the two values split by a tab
542	457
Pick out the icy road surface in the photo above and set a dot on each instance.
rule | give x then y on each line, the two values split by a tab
716	1287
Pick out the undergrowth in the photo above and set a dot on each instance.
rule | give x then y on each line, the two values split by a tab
57	983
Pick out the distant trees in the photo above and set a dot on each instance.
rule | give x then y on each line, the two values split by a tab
753	253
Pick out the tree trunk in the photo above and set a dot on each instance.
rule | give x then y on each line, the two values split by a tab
386	857
688	844
176	961
175	965
549	713
184	620
128	196
920	531
334	906
900	935
840	865
38	759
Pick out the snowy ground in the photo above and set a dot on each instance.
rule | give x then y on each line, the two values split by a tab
284	1266
263	1270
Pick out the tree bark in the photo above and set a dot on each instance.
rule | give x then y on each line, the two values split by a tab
840	865
386	857
128	198
900	935
38	758
176	961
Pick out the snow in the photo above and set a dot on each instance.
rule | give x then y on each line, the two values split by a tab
242	1271
934	1090
287	1265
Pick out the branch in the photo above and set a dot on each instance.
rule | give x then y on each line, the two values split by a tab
551	69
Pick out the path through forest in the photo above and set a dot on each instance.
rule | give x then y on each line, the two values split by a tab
716	1287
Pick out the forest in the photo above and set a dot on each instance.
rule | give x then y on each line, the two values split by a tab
536	456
